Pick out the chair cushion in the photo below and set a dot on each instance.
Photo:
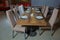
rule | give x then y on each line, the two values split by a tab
19	28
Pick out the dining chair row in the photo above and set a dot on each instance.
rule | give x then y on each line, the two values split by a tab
12	17
52	19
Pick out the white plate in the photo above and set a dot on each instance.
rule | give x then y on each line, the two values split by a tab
38	11
27	11
32	8
24	17
39	17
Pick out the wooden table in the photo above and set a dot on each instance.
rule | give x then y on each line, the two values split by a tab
32	21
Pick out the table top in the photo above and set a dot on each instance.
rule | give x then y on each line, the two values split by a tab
32	21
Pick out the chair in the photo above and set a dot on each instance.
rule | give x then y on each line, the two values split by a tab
43	9
21	9
46	11
14	26
53	18
15	11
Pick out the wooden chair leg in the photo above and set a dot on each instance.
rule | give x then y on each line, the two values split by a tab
52	32
25	35
12	34
41	31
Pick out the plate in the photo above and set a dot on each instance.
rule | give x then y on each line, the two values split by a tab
32	8
27	11
38	11
24	17
39	17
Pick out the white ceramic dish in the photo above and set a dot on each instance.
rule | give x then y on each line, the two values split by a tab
39	17
27	11
38	11
24	17
32	8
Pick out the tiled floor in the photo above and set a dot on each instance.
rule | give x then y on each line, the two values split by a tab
6	32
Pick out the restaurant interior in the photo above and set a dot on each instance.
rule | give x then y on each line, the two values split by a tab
29	19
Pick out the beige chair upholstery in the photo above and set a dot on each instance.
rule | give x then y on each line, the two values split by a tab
11	18
12	21
46	11
21	9
19	28
16	13
53	17
51	21
43	9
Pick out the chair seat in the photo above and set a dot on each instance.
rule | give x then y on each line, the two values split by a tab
19	28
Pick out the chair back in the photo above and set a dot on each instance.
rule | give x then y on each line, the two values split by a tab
21	9
43	9
11	18
46	11
53	17
15	11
